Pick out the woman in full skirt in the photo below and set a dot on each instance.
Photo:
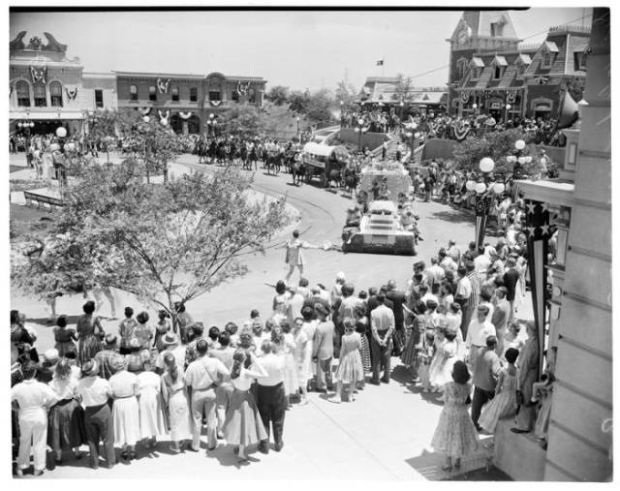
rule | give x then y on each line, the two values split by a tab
455	435
350	370
175	400
504	404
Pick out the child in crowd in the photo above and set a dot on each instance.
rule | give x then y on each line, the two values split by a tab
350	370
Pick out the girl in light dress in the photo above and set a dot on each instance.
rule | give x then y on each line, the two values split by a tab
243	426
440	370
350	370
174	395
299	354
455	435
504	404
162	327
280	302
543	392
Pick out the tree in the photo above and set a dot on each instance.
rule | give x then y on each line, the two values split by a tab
298	101
242	120
278	95
497	145
404	87
319	106
346	95
162	242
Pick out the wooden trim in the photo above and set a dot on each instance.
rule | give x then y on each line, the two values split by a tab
579	392
579	437
587	301
597	154
589	253
584	347
591	204
563	471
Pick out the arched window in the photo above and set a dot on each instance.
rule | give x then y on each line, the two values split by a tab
152	93
133	93
23	93
40	99
175	94
56	94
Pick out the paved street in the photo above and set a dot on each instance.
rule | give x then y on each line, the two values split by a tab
383	435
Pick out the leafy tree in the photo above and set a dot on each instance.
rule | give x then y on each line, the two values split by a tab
278	95
497	145
298	101
319	106
242	120
163	243
346	93
404	87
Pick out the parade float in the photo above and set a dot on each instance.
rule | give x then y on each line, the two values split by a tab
380	227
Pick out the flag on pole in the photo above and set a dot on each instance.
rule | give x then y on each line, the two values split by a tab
380	62
538	231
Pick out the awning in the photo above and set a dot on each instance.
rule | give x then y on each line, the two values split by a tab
318	149
551	46
477	62
47	116
500	60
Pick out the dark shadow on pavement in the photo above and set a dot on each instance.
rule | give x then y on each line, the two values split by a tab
451	216
225	456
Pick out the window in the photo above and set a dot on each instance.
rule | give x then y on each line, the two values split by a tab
475	73
497	29
98	98
152	93
580	60
39	96
235	96
56	94
521	69
193	94
548	60
175	94
133	93
461	67
23	93
215	95
498	71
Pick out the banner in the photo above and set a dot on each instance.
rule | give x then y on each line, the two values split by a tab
71	92
538	232
185	115
163	86
38	74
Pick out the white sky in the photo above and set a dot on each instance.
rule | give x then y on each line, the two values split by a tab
300	49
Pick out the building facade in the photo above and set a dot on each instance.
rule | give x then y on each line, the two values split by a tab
385	92
580	325
492	72
48	90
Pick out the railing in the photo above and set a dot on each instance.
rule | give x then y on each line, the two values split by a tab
569	28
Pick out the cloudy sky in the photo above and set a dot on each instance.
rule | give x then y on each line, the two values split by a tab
299	49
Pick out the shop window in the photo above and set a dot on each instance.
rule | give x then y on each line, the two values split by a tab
193	94
133	93
152	93
23	93
56	94
98	98
40	99
175	94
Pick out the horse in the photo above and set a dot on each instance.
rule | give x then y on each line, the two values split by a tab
297	169
351	180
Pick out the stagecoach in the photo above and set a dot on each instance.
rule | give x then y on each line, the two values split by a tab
324	162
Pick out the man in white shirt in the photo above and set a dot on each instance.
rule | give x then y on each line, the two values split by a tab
382	326
270	396
436	272
482	262
323	348
294	306
33	400
479	330
201	378
336	291
95	392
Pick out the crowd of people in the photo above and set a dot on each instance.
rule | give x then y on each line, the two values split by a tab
147	382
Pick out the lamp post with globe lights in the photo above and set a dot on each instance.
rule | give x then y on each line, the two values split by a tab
360	130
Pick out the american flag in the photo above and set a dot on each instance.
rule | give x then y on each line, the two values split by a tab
537	225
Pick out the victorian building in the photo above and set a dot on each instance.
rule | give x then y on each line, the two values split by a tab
492	72
49	90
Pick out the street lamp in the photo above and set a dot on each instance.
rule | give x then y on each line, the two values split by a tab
483	190
508	108
299	119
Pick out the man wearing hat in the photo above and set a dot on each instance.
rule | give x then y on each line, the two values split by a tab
323	348
45	371
95	393
171	345
105	357
33	400
485	376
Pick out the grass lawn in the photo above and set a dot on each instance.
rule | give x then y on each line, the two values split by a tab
26	220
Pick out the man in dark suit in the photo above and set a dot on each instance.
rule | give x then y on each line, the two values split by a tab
511	278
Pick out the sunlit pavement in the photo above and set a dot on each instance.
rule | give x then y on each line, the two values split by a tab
384	434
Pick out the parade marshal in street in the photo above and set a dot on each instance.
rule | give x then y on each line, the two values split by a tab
294	255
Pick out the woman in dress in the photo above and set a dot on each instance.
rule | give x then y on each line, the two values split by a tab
291	382
299	354
243	426
445	357
361	327
504	404
543	392
294	257
350	370
144	333
126	330
65	337
149	403
125	411
162	327
66	428
90	332
174	395
280	302
455	435
409	356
